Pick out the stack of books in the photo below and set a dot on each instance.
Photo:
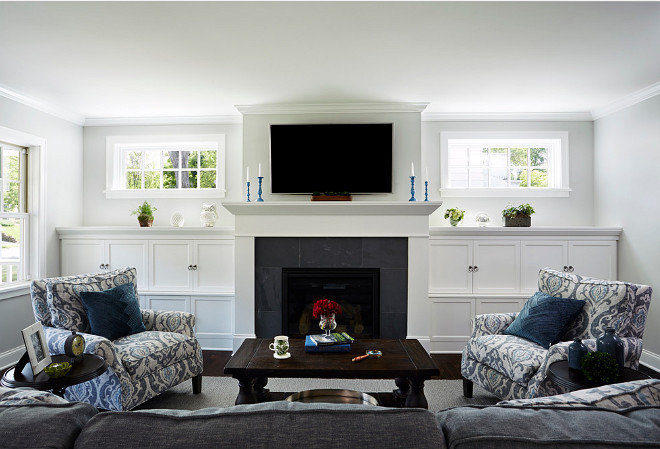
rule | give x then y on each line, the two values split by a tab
335	342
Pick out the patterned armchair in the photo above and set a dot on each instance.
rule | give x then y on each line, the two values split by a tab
140	366
511	367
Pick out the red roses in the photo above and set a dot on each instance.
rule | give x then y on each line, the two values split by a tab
325	307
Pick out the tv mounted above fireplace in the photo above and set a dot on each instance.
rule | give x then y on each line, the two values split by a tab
353	158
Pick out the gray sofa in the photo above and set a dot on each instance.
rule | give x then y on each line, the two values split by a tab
579	422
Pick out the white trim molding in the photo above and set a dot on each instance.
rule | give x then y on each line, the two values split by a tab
335	108
650	359
23	99
506	117
627	101
184	120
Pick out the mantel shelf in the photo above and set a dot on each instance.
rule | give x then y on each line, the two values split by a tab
383	208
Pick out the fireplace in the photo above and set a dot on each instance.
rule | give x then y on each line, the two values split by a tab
356	290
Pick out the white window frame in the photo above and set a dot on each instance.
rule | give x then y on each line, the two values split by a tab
558	162
114	165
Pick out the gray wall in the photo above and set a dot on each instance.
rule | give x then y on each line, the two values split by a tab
627	188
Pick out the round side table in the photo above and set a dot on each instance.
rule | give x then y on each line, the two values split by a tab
87	368
573	379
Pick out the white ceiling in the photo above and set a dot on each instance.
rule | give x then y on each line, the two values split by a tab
159	59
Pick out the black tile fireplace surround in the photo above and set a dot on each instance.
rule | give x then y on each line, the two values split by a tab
388	254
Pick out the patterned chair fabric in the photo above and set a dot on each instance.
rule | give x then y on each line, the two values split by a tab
140	366
514	368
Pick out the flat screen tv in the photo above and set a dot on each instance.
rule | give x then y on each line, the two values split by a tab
309	158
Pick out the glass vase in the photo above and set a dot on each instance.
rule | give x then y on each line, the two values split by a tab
454	222
328	323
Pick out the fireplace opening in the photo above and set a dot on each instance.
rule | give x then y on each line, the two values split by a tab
356	290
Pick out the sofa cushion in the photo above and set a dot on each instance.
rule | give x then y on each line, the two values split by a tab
517	358
141	353
543	318
270	425
64	303
37	426
113	313
511	427
607	303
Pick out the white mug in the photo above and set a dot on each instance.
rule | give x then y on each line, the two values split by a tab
280	345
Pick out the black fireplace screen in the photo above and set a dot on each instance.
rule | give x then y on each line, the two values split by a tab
356	290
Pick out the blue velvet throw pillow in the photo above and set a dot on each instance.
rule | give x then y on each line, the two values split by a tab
543	318
113	313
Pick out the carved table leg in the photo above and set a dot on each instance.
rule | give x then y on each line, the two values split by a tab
401	393
245	391
416	396
262	394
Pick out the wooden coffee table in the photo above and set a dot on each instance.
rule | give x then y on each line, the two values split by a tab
405	361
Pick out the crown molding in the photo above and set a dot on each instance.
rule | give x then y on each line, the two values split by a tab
506	117
627	101
330	108
40	106
184	120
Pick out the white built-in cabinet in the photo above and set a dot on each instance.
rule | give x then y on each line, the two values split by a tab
184	269
474	271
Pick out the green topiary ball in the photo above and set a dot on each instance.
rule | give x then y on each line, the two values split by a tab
600	367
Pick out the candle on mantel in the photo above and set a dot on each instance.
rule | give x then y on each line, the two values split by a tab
427	175
247	175
412	169
260	170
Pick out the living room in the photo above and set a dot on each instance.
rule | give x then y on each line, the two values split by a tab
118	70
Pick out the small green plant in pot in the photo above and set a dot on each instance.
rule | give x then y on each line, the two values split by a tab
145	214
455	215
600	367
518	216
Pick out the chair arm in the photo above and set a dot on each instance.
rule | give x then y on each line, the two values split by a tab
491	323
169	321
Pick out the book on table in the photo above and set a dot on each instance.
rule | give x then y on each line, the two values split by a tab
311	346
336	338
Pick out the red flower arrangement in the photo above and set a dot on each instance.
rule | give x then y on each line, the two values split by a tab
325	307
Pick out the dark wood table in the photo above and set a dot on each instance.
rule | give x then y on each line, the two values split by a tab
405	361
573	379
87	368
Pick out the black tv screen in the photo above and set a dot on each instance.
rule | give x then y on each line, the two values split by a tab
309	158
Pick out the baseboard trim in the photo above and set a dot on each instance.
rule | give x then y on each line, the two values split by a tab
9	358
650	360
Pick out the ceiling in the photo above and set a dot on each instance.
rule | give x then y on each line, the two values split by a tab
184	59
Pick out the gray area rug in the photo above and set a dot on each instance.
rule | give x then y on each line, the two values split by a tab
222	391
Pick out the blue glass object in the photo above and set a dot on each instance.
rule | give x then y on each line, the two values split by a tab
248	191
611	343
426	190
260	200
412	189
576	351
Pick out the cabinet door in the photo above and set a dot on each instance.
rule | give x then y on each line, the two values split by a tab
538	254
214	260
449	261
129	253
499	305
168	303
170	265
497	266
81	257
596	259
451	323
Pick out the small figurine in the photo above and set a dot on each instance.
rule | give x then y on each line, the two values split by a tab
209	215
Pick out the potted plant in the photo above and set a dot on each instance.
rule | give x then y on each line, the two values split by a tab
145	214
518	216
455	215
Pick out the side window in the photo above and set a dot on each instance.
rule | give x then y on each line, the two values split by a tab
14	219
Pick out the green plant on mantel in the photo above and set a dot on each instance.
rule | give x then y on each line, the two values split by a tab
516	211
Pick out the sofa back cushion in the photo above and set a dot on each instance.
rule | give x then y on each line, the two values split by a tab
63	294
269	425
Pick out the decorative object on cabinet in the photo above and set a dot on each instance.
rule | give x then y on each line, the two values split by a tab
487	356
482	220
209	215
455	215
143	364
145	214
518	216
176	219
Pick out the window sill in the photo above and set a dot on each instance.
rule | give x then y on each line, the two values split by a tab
504	193
148	194
14	289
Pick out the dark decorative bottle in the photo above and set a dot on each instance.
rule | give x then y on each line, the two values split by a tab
576	351
609	342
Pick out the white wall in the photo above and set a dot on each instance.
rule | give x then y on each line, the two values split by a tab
627	188
100	211
576	210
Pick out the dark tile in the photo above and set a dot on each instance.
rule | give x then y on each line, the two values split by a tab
276	251
393	325
268	324
385	252
331	252
394	290
267	289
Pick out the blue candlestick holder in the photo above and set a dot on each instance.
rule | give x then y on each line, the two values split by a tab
426	190
412	189
260	199
248	191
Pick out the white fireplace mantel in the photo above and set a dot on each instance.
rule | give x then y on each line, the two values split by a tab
332	208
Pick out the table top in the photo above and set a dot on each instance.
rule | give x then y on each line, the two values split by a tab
573	379
87	368
401	358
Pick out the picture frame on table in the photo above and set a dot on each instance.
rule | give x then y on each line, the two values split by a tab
36	346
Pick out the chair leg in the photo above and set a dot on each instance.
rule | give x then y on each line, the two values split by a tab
197	384
467	388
